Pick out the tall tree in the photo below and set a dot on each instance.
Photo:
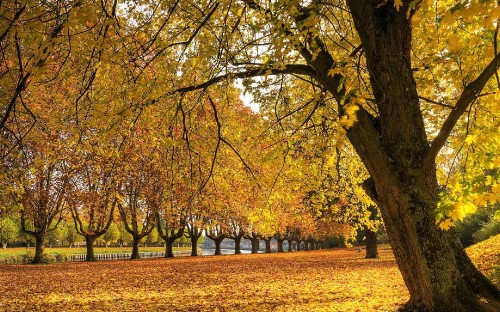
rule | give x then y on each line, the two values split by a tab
94	197
44	185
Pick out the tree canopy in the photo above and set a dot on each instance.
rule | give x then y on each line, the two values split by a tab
397	97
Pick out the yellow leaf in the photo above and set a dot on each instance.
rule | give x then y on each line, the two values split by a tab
446	224
398	4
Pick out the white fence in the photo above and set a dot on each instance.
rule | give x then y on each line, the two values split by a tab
118	256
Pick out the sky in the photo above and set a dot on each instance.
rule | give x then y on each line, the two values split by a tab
246	97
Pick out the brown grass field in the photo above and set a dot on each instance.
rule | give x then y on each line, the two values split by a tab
325	280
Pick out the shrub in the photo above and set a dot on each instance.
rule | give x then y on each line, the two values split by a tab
487	230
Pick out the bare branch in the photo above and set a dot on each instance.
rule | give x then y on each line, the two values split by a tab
219	139
436	102
298	69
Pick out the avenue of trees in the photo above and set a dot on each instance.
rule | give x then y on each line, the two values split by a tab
370	111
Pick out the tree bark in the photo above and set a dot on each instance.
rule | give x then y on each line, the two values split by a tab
89	241
299	248
194	246
169	250
237	245
371	244
280	244
268	245
218	251
255	245
290	242
39	248
135	248
306	245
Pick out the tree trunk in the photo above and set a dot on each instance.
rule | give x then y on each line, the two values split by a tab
4	245
169	250
135	248
371	244
394	148
237	245
194	246
255	245
268	245
290	242
299	248
306	245
89	241
280	245
218	251
435	268
39	248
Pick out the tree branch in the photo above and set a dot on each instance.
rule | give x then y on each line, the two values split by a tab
468	96
298	69
436	102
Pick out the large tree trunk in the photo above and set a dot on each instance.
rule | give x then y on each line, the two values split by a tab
371	244
290	242
135	248
89	241
299	248
39	240
394	147
237	245
435	268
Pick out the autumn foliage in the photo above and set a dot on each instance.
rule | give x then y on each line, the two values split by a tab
370	111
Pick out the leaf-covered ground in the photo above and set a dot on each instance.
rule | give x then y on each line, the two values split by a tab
330	280
486	256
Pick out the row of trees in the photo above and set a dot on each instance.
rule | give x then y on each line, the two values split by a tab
65	235
187	178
